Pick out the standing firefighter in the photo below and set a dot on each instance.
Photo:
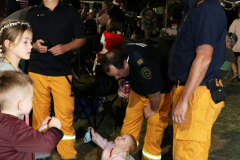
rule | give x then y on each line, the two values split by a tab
139	64
196	56
54	26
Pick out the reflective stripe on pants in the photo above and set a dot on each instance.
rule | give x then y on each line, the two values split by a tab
63	107
150	156
67	137
156	124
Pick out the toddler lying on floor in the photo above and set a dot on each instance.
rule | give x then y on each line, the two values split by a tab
123	147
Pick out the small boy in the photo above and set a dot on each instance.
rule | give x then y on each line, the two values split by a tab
231	40
17	140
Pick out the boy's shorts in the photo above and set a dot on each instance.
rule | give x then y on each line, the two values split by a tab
237	54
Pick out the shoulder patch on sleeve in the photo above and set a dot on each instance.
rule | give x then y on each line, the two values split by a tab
140	61
138	58
146	73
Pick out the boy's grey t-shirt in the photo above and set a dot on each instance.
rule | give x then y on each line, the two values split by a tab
149	15
230	55
5	67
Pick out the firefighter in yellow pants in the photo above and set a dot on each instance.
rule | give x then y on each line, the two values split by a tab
63	107
196	56
140	64
195	133
156	124
57	29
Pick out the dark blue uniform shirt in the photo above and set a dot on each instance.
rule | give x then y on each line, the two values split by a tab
59	26
203	22
145	69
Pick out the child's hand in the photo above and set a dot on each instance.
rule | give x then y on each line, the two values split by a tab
44	125
92	131
55	122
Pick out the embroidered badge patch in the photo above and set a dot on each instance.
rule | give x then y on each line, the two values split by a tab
146	73
140	61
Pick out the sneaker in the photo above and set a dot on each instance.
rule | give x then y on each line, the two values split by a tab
234	77
42	156
237	80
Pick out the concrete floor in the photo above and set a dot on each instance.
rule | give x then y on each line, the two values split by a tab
225	132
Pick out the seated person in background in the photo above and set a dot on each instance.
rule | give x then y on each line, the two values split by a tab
123	147
111	39
18	140
148	32
231	40
90	25
138	35
150	38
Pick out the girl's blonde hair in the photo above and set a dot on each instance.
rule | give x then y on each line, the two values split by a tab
10	30
12	85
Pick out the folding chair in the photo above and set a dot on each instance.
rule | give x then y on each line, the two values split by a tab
84	56
128	32
103	86
153	42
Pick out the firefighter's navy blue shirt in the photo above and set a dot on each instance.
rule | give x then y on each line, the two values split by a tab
59	26
144	69
203	22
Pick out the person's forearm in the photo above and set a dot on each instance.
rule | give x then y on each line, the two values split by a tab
155	100
76	43
100	141
154	19
144	19
197	73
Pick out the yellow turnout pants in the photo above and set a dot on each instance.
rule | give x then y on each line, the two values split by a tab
63	107
192	139
156	124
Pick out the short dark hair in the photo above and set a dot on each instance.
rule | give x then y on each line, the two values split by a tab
106	2
114	57
149	4
232	38
148	30
139	33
